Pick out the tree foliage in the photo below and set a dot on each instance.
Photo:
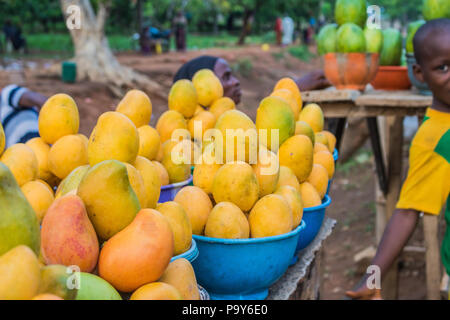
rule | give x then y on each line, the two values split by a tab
203	15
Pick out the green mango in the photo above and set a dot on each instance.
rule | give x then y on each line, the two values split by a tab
71	182
350	38
18	221
374	40
93	287
391	53
326	39
58	280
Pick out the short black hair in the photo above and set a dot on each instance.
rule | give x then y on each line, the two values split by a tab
429	29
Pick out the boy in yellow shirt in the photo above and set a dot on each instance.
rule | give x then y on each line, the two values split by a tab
427	185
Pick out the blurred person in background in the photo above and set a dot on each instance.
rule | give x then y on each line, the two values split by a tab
180	30
19	112
314	80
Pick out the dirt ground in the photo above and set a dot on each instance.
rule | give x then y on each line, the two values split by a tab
353	188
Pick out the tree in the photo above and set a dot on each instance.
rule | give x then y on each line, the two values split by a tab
94	58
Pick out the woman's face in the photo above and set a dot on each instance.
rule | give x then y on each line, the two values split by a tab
231	85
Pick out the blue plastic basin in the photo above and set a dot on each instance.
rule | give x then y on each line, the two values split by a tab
190	255
314	218
243	269
169	192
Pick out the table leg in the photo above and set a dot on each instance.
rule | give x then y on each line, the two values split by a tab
378	153
393	141
338	128
432	255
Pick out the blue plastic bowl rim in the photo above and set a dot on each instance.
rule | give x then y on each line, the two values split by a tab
188	253
325	204
252	240
335	155
178	184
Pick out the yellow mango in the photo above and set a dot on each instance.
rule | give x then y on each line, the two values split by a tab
208	87
179	223
39	196
267	171
297	153
58	117
110	200
19	274
222	105
290	99
310	196
236	182
294	199
289	84
22	162
149	142
227	221
137	183
180	274
319	179
163	174
67	154
287	178
152	180
271	216
137	106
41	150
168	122
205	171
197	205
115	137
183	98
156	291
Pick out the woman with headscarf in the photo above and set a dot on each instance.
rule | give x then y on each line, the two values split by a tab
231	85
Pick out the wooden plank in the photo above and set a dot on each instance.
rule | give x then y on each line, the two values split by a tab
330	95
349	110
433	263
393	99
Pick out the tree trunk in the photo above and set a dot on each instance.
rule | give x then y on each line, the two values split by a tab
94	58
247	27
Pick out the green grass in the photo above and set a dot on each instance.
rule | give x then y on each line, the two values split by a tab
61	44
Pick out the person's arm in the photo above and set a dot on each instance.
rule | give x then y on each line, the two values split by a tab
314	80
32	99
397	233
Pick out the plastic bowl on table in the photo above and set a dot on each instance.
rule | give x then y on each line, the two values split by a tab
421	86
336	158
169	192
243	269
391	78
314	218
351	70
189	255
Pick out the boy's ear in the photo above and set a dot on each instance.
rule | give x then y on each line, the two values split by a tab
418	74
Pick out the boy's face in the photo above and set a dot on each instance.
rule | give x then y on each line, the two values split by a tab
434	68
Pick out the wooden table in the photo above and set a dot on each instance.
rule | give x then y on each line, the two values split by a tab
303	280
384	111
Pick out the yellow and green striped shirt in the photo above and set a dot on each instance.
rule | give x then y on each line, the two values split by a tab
427	185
